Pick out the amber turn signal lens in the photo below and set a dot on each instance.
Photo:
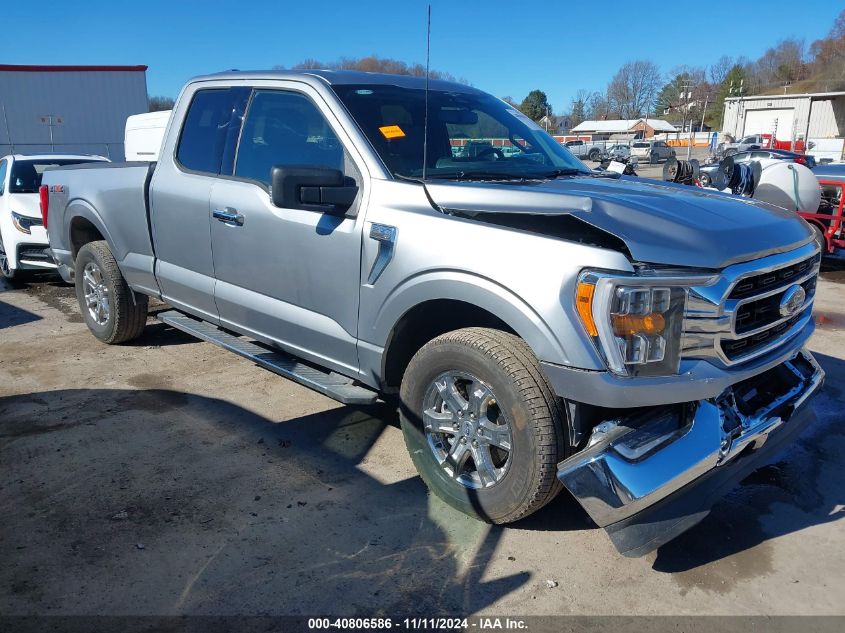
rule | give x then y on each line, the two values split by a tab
630	324
584	305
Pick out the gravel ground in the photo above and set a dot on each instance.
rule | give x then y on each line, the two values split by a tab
171	477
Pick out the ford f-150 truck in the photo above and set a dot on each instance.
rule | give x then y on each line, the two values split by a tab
540	325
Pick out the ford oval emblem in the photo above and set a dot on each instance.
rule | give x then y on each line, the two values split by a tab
792	301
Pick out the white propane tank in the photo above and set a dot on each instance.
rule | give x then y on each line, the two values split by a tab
788	185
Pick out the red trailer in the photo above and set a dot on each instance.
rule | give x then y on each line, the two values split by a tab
828	219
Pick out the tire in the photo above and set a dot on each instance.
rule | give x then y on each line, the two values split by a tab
118	314
594	155
512	398
730	152
820	238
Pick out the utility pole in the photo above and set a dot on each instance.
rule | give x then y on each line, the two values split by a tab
687	87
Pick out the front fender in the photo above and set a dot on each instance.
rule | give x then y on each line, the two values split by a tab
561	347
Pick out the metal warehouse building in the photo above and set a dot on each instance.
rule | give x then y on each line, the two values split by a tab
72	109
788	117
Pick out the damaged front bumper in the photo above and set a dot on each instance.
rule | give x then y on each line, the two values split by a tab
655	474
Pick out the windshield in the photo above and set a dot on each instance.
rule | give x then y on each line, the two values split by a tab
470	135
26	174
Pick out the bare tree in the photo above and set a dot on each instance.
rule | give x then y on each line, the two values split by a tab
598	107
633	88
374	64
158	103
578	107
719	70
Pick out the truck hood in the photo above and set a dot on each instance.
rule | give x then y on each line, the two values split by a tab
28	204
659	222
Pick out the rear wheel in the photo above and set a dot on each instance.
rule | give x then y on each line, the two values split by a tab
112	312
594	155
482	425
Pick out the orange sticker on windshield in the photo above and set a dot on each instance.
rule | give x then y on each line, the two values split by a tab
392	131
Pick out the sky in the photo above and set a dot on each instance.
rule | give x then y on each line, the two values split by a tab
502	47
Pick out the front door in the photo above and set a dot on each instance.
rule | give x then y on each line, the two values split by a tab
288	276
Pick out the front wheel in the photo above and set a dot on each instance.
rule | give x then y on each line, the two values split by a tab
112	312
482	426
594	155
6	271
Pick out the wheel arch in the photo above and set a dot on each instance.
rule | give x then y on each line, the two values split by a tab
83	226
428	308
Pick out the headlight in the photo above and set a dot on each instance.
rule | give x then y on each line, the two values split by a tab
24	223
635	322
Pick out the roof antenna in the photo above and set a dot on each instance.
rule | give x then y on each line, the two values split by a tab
425	120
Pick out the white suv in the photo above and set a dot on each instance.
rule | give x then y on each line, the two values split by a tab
653	151
23	239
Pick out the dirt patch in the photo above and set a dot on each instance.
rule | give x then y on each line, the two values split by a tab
59	296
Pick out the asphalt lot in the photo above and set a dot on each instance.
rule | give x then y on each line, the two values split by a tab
171	477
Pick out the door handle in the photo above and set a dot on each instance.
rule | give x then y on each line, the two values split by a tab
228	216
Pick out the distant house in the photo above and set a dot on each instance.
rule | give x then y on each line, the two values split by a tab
623	128
553	124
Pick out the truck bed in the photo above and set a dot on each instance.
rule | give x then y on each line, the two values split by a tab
111	198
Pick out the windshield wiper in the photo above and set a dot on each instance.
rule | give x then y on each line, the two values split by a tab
569	171
485	175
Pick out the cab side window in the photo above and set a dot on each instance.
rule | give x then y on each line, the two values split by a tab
4	167
284	128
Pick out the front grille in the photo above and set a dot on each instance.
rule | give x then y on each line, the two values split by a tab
744	346
758	284
756	314
737	318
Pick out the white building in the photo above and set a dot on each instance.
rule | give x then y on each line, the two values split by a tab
70	109
789	117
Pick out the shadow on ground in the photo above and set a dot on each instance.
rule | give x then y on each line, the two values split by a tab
11	316
140	502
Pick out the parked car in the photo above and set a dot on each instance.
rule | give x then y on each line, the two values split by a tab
586	149
745	144
531	315
778	154
23	241
617	151
653	151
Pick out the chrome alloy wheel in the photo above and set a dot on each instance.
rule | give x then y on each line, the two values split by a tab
466	430
96	293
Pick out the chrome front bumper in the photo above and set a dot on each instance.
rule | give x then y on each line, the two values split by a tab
632	464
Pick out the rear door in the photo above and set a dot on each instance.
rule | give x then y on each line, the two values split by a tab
290	277
179	194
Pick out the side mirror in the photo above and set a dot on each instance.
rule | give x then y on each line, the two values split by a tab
312	188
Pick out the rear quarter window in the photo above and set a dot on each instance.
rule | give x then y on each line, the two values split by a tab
211	126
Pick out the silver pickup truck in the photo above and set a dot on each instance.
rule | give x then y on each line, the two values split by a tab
540	325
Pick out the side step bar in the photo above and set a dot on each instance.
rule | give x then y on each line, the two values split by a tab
341	388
